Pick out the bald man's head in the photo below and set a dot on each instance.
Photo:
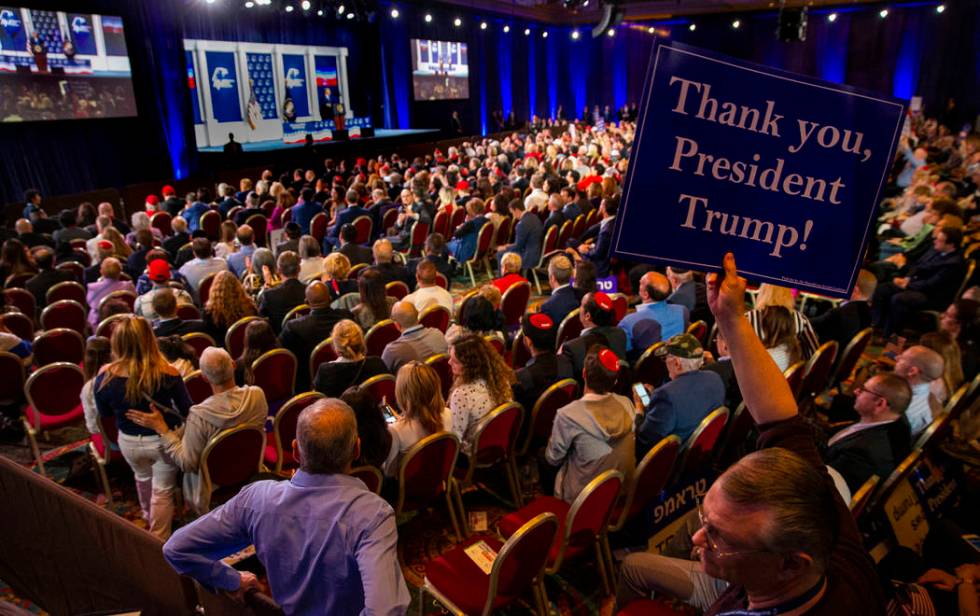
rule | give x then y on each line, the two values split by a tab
919	364
23	226
405	315
317	295
326	437
654	287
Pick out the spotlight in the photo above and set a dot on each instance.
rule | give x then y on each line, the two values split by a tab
692	27
457	22
506	29
340	9
586	3
832	17
319	12
305	4
350	16
940	8
652	30
883	13
249	4
210	1
483	25
611	32
394	13
544	35
289	8
527	32
736	24
575	35
428	18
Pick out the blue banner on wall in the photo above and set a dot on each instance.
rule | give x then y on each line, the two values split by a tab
784	170
82	33
263	87
223	82
13	35
294	73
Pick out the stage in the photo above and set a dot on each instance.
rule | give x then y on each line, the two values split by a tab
380	134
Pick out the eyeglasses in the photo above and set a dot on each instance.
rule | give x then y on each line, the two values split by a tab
713	544
858	389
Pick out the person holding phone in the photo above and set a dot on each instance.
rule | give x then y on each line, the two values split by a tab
418	392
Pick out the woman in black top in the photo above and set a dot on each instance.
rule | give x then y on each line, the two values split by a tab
259	339
371	428
352	367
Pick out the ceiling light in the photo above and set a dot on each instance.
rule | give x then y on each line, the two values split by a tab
575	35
692	27
428	18
483	25
210	1
736	24
611	32
306	5
652	30
340	9
394	13
527	32
319	12
350	16
506	29
940	8
832	17
544	35
883	13
457	22
289	8
249	4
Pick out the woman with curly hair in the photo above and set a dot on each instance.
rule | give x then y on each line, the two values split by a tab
481	382
227	304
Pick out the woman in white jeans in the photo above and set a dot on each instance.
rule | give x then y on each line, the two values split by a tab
138	374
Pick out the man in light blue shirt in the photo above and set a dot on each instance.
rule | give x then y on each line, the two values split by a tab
654	290
328	544
246	242
203	264
192	214
920	366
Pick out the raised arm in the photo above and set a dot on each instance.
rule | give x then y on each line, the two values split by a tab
764	388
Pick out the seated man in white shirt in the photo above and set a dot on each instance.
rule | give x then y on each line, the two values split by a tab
428	291
920	366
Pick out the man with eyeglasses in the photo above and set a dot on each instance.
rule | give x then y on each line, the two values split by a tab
775	536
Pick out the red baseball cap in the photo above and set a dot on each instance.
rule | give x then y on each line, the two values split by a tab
158	270
168	190
152	199
462	185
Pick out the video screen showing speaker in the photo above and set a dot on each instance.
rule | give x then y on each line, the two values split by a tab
63	66
440	70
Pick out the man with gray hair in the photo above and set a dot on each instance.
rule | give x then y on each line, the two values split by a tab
920	366
563	298
328	544
276	302
227	407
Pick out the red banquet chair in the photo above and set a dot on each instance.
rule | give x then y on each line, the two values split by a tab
75	268
188	312
536	431
53	401
65	313
322	353
513	303
126	296
162	221
396	289
850	357
698	329
463	587
12	383
569	329
583	524
620	306
816	374
442	281
259	224
440	224
370	475
108	325
698	451
65	290
197	386
378	337
22	300
493	446
440	363
318	227
420	231
104	449
279	443
794	376
19	324
198	341
519	355
458	218
497	342
483	241
17	281
425	475
388	220
60	344
230	460
235	336
274	372
436	316
381	388
210	223
363	225
651	369
204	288
299	311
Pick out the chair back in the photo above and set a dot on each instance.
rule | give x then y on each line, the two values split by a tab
461	308
588	517
420	231
66	290
522	558
322	353
548	245
284	426
381	388
651	369
75	268
108	325
21	299
396	289
971	267
274	372
378	337
851	355
299	311
739	426
578	227
18	280
816	374
363	225
355	271
497	342
12	383
442	281
106	440
495	437
198	341
235	336
569	329
318	226
957	404
440	224
590	218
620	306
859	502
794	376
232	456
537	430
204	289
483	240
370	475
519	354
649	480
59	344
54	389
210	223
260	226
440	363
935	433
880	496
188	312
435	315
126	296
426	471
565	233
698	329
514	303
699	448
65	313
161	221
19	324
458	218
197	386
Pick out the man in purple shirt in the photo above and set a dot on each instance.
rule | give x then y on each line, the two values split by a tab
328	544
109	282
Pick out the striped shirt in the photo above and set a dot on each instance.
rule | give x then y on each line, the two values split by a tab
801	325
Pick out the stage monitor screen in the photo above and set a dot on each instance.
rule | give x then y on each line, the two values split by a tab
63	66
440	70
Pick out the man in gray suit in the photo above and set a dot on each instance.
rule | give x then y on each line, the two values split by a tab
528	236
416	342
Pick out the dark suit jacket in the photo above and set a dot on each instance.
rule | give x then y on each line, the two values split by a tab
873	451
725	369
39	284
937	276
275	302
287	245
554	218
561	302
602	251
301	335
540	373
528	236
442	265
178	327
392	271
174	243
346	215
842	323
356	253
242	216
332	378
575	350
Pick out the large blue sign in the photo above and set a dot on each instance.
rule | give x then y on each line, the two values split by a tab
223	82
294	73
82	33
13	35
783	170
